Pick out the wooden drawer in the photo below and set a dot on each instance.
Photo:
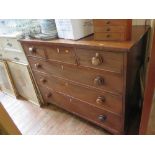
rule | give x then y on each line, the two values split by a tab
14	55
56	53
109	36
11	43
97	98
115	22
110	29
96	115
34	50
110	61
99	79
62	54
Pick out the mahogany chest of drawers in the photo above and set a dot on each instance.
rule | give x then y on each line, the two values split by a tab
92	79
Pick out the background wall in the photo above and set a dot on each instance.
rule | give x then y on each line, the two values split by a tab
140	21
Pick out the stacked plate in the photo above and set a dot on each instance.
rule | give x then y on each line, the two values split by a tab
48	29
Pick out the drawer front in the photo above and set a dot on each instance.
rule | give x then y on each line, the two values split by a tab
109	36
23	81
11	43
56	53
15	56
110	61
109	29
115	22
34	50
91	77
101	117
97	98
62	54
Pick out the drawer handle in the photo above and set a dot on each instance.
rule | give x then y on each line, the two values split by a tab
9	44
100	100
108	35
98	81
43	80
108	29
48	95
32	49
108	22
16	58
58	51
102	118
97	60
38	65
67	51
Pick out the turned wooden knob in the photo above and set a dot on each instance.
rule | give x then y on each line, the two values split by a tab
16	58
98	81
43	80
38	65
108	22
100	100
48	95
102	118
108	29
97	60
108	35
32	49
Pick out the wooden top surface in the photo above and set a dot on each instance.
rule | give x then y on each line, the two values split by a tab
89	42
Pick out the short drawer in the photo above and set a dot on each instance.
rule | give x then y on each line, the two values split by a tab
34	50
115	22
96	115
109	29
62	54
102	80
109	36
97	98
110	61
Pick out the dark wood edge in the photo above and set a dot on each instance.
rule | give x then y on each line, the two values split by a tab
149	91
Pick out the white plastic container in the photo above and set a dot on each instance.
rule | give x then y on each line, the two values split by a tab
74	28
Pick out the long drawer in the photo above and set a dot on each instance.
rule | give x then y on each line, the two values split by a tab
14	55
96	115
102	80
109	36
97	98
115	22
109	29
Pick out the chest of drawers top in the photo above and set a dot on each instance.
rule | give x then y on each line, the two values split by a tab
89	42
